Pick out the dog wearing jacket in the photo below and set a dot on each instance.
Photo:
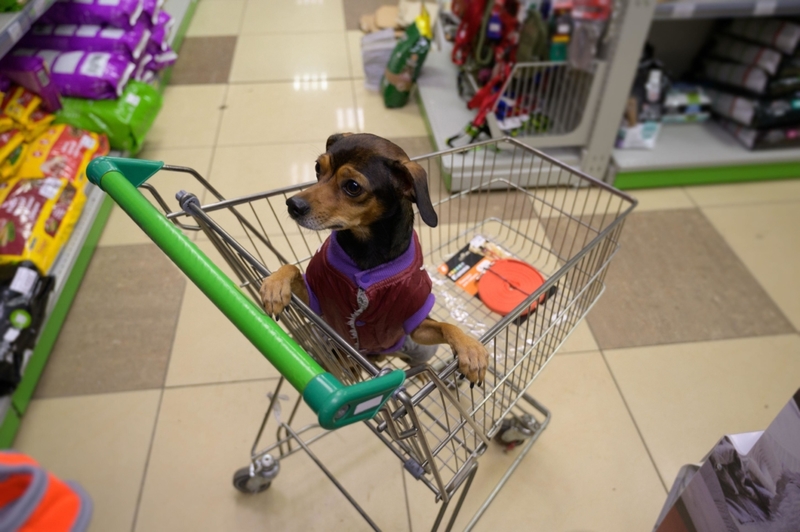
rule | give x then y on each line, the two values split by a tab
367	280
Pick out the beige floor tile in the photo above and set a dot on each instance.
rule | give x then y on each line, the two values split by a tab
295	16
241	170
767	240
662	198
217	17
189	117
684	397
373	117
304	58
208	347
588	471
745	193
280	112
121	230
100	441
204	434
581	340
354	49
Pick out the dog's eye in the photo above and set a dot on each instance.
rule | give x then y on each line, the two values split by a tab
352	188
316	169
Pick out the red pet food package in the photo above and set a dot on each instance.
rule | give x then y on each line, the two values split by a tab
37	217
63	151
467	266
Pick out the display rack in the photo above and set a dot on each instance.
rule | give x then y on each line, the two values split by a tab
725	9
71	264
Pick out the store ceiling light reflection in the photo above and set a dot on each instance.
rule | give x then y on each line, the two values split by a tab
350	118
311	82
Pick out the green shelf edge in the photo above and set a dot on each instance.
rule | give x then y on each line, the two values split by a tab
47	338
8	430
707	175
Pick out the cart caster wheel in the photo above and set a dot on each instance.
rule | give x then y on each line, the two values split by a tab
243	482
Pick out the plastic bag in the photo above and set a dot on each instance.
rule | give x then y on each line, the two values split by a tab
63	151
152	8
406	62
89	38
37	217
125	121
162	31
33	74
118	13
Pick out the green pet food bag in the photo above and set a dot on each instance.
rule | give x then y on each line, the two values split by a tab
125	121
406	62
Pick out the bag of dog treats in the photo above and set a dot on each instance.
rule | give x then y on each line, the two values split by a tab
12	152
93	75
36	219
125	121
9	167
406	62
63	151
89	38
33	74
151	10
118	13
20	104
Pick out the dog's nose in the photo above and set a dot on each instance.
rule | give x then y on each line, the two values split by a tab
298	207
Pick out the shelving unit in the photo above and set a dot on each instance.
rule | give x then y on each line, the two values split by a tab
725	9
72	262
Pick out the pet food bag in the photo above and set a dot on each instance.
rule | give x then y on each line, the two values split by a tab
11	5
92	75
151	9
406	62
161	61
118	13
779	34
160	38
33	74
89	38
12	152
63	151
36	219
24	109
125	121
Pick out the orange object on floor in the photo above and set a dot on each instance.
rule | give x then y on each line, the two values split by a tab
33	499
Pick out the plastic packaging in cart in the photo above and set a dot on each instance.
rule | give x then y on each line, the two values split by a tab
92	75
89	38
63	151
466	267
33	74
36	219
125	121
118	13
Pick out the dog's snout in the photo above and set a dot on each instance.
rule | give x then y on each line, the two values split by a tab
298	207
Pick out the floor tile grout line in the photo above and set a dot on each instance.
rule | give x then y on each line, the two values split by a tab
689	342
757	203
635	424
147	462
217	383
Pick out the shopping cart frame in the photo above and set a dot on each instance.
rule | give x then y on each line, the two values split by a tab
349	378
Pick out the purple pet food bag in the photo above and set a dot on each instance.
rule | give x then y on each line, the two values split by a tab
151	10
89	38
162	31
33	74
162	60
91	75
118	13
141	66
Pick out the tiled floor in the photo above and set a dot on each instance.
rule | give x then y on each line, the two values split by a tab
151	399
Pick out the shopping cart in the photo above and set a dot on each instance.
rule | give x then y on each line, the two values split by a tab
433	421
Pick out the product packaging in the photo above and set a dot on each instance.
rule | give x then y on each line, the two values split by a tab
63	151
686	103
37	217
92	75
160	38
779	34
754	113
406	62
745	53
151	9
753	80
32	73
118	13
761	139
89	38
12	152
125	121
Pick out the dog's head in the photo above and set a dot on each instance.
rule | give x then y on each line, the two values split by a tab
361	178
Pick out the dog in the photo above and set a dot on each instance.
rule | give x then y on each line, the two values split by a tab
367	280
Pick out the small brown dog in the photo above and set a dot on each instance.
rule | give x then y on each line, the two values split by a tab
367	280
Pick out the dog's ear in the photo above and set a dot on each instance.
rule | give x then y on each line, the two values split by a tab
333	139
415	181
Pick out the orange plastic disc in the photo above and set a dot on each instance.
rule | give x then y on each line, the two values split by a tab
507	283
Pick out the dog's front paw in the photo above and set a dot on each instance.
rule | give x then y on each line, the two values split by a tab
276	293
473	359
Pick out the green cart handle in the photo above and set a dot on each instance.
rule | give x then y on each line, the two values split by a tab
336	405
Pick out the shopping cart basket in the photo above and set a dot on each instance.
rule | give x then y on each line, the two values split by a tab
433	421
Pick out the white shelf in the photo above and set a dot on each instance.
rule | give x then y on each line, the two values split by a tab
697	145
14	25
725	9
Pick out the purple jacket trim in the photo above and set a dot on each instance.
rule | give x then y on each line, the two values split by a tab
364	279
413	322
313	302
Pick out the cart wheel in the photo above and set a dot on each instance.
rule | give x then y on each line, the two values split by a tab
243	482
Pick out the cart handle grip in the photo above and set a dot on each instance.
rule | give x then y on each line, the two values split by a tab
336	405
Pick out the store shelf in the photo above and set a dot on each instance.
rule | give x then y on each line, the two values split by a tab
14	25
700	153
726	9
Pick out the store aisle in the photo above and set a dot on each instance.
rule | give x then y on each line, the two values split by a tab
151	399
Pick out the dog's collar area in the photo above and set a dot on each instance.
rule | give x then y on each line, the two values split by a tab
342	262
